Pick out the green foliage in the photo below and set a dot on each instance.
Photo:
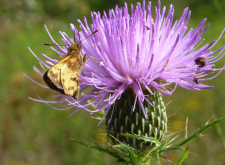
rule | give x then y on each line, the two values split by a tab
129	155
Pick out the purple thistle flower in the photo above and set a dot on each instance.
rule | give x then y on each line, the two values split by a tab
139	52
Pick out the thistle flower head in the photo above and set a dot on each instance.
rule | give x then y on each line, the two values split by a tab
138	51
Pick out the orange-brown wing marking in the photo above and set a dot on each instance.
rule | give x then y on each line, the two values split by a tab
69	78
54	73
63	58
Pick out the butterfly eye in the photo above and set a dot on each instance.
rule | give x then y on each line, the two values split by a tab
78	47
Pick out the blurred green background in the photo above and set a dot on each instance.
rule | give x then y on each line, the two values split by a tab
31	133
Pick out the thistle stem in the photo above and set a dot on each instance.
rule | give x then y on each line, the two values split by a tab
194	135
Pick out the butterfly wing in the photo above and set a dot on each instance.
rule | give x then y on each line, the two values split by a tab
69	78
53	75
51	84
62	77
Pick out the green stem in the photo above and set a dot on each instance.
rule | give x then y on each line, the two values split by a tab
133	160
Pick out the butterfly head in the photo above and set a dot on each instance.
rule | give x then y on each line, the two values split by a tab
74	48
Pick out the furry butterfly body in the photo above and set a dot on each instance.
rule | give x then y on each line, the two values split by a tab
62	77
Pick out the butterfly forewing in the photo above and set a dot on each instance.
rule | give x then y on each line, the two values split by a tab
69	78
54	73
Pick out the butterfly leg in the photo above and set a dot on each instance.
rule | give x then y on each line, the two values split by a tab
76	93
85	58
84	61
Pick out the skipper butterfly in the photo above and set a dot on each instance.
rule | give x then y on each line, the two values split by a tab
62	77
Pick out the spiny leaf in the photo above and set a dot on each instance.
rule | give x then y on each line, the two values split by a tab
144	138
183	157
194	135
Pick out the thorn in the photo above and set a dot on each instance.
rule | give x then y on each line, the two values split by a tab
168	159
187	149
208	121
68	137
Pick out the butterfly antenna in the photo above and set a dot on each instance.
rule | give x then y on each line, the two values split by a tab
74	38
52	44
74	35
79	34
90	35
